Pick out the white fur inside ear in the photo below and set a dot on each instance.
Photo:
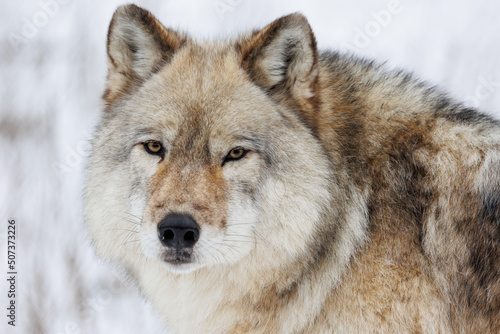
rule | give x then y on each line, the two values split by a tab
290	54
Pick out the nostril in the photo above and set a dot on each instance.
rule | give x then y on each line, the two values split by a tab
189	236
168	235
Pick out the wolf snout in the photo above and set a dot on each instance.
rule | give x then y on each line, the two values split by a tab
178	231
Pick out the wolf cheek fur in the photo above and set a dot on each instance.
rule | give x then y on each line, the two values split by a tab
317	193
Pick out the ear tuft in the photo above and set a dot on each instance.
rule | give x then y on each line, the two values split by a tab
138	45
283	56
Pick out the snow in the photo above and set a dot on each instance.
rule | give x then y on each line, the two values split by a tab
53	66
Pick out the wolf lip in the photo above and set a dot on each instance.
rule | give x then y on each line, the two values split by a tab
177	256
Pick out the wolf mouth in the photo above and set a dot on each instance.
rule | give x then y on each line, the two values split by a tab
177	256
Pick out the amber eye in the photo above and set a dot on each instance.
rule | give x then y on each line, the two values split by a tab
235	154
154	147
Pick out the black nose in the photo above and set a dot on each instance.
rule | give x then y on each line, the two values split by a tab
178	230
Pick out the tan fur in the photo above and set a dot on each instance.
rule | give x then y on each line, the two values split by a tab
368	202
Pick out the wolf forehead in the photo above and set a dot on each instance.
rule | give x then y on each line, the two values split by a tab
200	89
200	76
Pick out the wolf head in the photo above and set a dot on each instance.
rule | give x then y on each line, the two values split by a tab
206	153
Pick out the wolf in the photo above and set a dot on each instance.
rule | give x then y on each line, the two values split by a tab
257	185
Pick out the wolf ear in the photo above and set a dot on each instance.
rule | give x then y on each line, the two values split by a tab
138	46
283	57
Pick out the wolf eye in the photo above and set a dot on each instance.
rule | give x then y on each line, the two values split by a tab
154	147
235	154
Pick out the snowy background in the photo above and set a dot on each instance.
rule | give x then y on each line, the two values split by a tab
52	71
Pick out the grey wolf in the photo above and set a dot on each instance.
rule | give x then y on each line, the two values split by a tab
260	186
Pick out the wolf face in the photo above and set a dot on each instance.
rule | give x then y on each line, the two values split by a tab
194	147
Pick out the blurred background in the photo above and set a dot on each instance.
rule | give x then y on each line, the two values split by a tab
52	72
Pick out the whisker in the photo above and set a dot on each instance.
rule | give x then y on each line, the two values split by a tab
217	259
247	241
122	229
132	222
256	233
240	237
132	219
231	248
255	238
140	218
130	241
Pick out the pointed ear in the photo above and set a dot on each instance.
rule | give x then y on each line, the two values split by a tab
283	58
138	46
